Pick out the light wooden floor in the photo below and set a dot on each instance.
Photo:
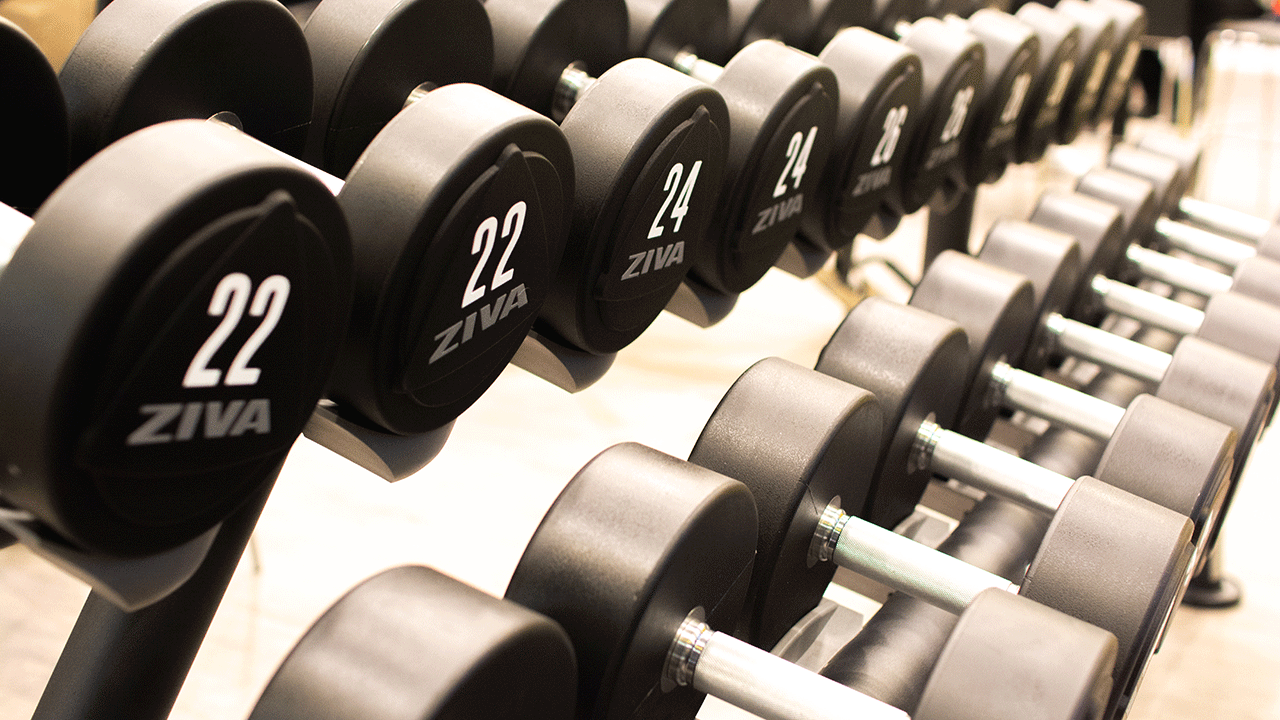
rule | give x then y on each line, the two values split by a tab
469	513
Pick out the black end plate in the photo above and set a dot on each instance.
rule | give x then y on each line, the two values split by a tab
142	62
1097	226
174	335
35	126
1051	261
371	54
638	540
1059	55
914	362
782	117
662	28
1118	562
1136	198
1030	661
800	440
995	307
880	83
458	211
413	644
1097	39
1012	61
787	21
649	147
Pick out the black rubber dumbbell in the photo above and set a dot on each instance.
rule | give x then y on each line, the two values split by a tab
782	117
413	644
642	555
649	146
1201	376
36	166
458	204
1060	54
816	456
1086	85
170	317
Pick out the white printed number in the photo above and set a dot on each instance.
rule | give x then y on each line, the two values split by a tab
230	299
798	149
682	201
486	236
1016	97
959	110
893	122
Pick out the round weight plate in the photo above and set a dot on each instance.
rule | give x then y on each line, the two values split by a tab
1059	55
1051	261
637	541
799	440
648	149
787	21
1225	385
996	309
1097	38
1181	150
880	84
1136	198
458	212
168	338
1097	226
1118	562
413	644
1131	24
1244	324
1258	277
914	362
1164	174
953	62
143	63
662	28
886	14
782	116
370	56
829	17
35	125
1173	457
1012	60
534	41
1030	661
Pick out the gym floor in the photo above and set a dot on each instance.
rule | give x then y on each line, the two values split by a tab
469	513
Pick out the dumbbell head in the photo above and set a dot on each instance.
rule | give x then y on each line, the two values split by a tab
880	83
637	541
661	29
1136	198
1097	226
39	161
1050	260
916	373
1169	180
1059	55
752	20
1097	41
143	405
1131	24
827	447
829	17
433	648
887	14
1185	152
370	56
1012	61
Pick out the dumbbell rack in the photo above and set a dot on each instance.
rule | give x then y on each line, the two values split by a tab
471	510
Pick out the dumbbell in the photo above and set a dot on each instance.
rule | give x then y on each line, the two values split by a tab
1099	227
413	644
39	163
643	554
170	318
782	117
1198	375
1155	449
1098	39
458	206
1060	55
649	146
1131	24
804	443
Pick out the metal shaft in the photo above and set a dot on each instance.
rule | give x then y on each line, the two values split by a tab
1146	307
13	227
334	183
1223	219
989	469
1106	349
574	81
906	565
1034	395
1178	272
697	68
1207	245
765	685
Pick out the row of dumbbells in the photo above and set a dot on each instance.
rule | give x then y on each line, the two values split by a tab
483	243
